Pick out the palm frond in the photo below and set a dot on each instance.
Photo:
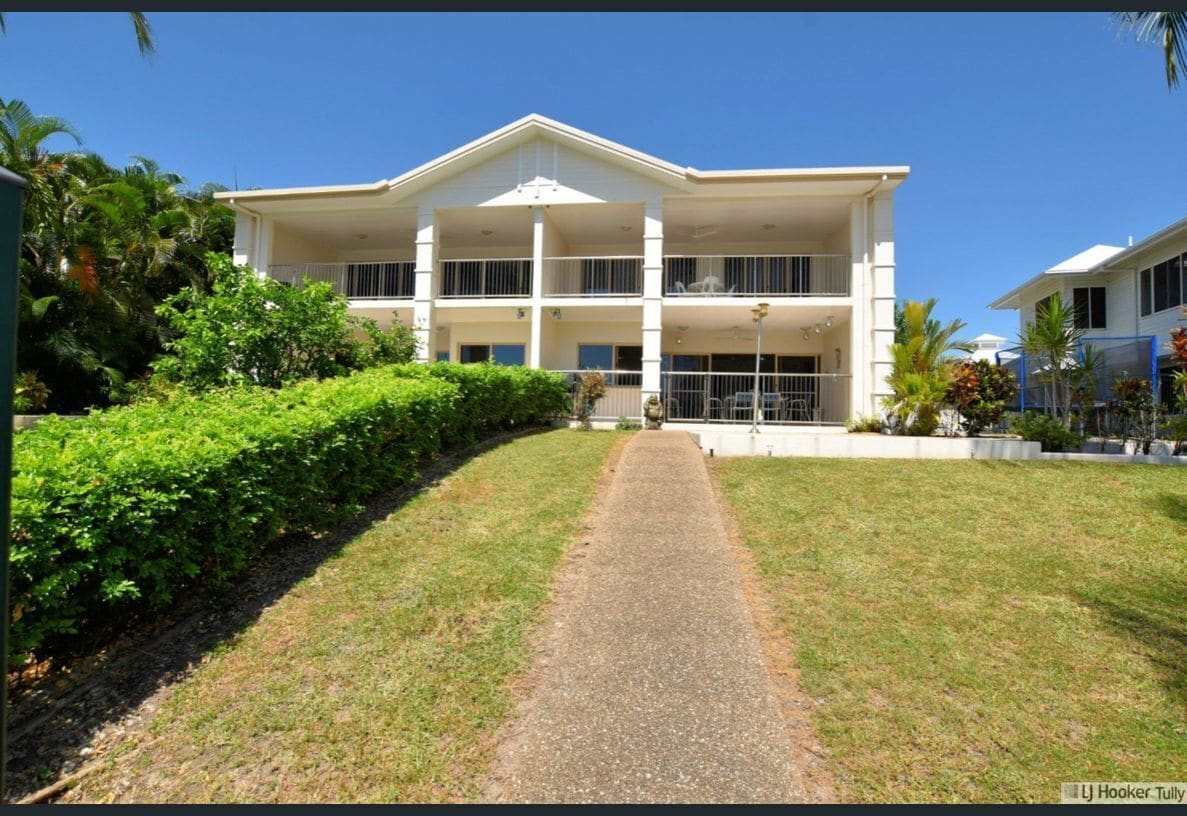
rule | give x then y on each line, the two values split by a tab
144	35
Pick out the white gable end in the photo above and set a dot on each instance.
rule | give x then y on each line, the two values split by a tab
541	172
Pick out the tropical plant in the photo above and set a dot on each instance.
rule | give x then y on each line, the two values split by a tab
1137	411
921	369
979	391
29	394
1053	338
591	387
140	25
1175	429
101	247
1165	28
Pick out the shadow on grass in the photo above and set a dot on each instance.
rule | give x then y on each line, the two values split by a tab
53	718
1153	615
1172	505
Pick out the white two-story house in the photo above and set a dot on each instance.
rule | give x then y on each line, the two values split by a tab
1127	301
544	245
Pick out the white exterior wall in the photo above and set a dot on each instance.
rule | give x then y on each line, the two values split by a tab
1159	323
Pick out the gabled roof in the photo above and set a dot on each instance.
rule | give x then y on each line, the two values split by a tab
988	338
1166	233
1087	262
534	125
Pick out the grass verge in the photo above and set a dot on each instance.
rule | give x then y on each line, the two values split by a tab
978	631
383	676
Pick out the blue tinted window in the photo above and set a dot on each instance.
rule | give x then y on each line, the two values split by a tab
508	354
595	357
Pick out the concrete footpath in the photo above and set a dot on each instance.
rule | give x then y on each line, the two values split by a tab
654	687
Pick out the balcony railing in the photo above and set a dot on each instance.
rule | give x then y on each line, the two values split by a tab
766	275
785	399
365	280
486	278
623	398
617	276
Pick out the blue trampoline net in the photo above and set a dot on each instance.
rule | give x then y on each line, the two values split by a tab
1118	357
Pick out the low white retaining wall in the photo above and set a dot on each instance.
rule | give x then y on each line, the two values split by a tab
1119	458
865	446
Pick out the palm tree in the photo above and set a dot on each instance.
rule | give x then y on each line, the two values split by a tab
921	367
1169	28
140	25
1053	338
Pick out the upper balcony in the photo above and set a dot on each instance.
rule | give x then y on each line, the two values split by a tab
713	249
757	275
358	280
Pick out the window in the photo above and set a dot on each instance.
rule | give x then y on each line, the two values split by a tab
1041	305
497	353
474	354
443	356
608	357
1089	303
1161	290
1164	285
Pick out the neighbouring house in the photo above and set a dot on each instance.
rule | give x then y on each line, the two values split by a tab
986	347
1127	301
544	245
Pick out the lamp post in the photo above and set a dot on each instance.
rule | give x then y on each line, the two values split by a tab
759	312
12	193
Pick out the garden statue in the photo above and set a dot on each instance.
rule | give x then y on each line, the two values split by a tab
653	412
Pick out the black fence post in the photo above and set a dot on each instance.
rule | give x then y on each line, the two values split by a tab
12	194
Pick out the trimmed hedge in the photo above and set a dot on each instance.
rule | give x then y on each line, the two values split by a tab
121	509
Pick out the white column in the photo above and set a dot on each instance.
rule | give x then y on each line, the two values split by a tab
653	288
859	344
427	239
243	251
537	287
882	293
263	258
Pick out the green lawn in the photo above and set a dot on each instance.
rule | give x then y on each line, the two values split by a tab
383	676
978	631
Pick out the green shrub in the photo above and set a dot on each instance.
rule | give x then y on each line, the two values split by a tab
496	397
259	331
1046	430
121	509
865	424
625	424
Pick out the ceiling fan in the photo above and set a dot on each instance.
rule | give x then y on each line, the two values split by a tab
735	333
695	233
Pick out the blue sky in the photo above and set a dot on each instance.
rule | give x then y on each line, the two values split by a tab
1030	136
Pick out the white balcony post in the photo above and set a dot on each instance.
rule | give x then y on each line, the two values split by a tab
243	250
427	239
264	246
653	274
882	292
859	339
537	329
